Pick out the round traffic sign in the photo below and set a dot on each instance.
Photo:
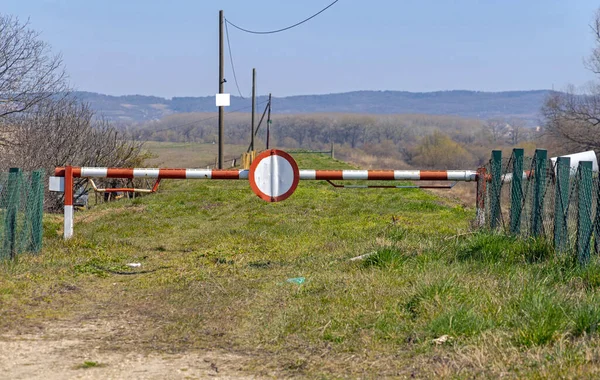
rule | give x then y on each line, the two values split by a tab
274	175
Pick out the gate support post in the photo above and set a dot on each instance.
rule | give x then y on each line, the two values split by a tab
516	204
496	189
68	222
481	193
561	203
539	189
584	211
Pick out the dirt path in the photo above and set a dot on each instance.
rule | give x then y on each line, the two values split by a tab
64	352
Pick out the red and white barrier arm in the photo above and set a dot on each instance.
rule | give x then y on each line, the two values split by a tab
369	175
66	184
390	175
87	172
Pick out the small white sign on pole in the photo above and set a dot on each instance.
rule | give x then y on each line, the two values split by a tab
57	184
223	100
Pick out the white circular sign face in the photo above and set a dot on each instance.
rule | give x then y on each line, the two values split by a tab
274	175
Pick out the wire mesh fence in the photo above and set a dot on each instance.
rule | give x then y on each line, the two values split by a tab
21	212
543	198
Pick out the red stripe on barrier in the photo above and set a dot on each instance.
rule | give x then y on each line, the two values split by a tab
68	186
384	175
119	173
172	173
225	174
329	174
434	175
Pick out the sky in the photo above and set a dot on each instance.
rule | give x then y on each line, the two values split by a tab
170	48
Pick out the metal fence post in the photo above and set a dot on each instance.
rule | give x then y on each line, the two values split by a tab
561	202
516	192
584	211
597	221
495	188
539	188
9	246
37	211
480	201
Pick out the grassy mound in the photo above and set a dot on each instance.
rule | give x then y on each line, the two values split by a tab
427	299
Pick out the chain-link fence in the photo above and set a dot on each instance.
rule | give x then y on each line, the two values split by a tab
541	197
21	212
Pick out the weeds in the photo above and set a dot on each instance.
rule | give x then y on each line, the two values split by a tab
90	364
510	306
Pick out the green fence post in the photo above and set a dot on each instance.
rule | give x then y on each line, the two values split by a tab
584	211
495	188
9	246
539	188
36	211
561	202
516	192
597	221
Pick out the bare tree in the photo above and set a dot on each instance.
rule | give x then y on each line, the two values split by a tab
29	72
497	127
517	131
64	132
572	118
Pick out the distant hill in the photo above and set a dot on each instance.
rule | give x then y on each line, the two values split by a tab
475	104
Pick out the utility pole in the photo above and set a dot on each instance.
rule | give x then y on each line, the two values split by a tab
253	108
268	121
221	82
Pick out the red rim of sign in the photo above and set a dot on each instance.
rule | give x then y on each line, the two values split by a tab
262	156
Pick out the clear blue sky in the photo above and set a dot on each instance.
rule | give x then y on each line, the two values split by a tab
170	48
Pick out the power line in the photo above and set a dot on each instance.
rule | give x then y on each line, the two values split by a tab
282	29
231	60
205	119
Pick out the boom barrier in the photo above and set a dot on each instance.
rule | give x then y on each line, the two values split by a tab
273	176
331	175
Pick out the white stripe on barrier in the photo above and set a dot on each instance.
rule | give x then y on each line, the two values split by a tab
461	175
94	172
355	174
145	173
308	174
198	173
414	175
244	173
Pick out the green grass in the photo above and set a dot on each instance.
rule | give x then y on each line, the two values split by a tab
90	364
216	259
188	155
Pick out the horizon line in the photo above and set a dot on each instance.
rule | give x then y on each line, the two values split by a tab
315	94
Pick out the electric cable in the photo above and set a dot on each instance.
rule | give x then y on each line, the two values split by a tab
282	29
231	60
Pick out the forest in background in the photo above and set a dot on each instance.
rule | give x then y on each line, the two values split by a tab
382	141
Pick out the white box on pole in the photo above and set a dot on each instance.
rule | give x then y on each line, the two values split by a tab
223	100
56	184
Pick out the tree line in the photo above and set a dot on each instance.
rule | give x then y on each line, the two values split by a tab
429	141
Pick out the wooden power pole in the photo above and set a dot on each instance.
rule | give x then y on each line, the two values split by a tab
269	121
221	82
253	108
